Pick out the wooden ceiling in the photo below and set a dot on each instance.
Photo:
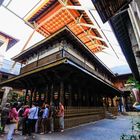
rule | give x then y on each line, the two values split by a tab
111	7
53	15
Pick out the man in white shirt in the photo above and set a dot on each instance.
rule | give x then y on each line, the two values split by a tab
32	118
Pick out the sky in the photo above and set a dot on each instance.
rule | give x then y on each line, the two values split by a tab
14	26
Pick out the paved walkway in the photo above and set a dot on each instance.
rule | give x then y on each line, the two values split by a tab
106	129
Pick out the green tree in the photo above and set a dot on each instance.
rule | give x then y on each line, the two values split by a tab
134	83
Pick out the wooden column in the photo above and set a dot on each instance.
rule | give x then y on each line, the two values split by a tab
62	92
46	94
70	91
88	102
95	99
107	103
52	91
26	93
112	103
32	91
5	95
79	97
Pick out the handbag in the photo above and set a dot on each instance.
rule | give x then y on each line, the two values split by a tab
13	120
10	121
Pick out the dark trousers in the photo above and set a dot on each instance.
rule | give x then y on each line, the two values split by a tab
31	125
20	122
3	123
25	129
44	125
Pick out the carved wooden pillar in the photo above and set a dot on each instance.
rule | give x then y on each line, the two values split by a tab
79	97
62	92
31	96
46	94
95	99
51	92
26	93
88	100
107	103
70	96
112	103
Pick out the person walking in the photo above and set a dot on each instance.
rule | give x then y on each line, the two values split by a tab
25	128
38	122
44	119
4	116
13	120
61	117
51	116
20	115
32	119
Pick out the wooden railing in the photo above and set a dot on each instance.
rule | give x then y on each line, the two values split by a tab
83	111
76	116
57	56
83	64
43	61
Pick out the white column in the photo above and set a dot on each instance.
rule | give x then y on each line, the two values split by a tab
5	95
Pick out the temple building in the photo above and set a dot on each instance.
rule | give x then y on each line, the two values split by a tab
61	65
120	82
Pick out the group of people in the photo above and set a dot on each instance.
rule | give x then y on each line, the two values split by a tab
35	119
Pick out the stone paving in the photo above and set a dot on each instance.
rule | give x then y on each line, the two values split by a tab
106	129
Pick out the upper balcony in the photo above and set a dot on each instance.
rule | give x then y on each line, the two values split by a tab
58	53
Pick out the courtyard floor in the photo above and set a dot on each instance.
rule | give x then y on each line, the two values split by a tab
106	129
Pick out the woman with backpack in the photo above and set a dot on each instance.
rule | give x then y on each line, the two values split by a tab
25	128
12	121
4	116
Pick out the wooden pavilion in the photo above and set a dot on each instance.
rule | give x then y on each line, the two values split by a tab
62	64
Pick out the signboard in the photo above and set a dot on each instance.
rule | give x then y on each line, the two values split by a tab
108	8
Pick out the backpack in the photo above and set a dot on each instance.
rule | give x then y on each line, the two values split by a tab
5	113
8	118
20	113
40	112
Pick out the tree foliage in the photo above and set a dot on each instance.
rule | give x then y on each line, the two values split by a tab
135	84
